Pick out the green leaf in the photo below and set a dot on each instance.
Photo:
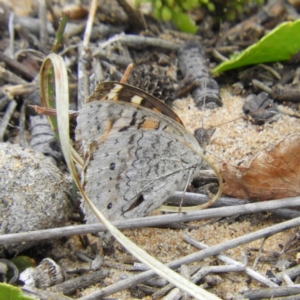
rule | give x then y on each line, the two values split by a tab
10	292
166	13
184	23
279	44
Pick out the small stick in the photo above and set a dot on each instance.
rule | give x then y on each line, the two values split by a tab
153	221
112	58
253	274
136	41
11	31
17	67
83	55
8	113
23	141
42	110
89	24
70	286
43	23
259	253
271	293
127	73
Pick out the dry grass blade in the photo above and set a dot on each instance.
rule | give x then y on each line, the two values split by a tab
211	201
62	104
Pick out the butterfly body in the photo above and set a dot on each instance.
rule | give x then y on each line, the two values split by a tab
139	156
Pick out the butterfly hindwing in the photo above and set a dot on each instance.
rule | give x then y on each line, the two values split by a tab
139	157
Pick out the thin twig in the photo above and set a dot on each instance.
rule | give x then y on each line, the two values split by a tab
112	58
83	80
22	122
261	86
152	221
11	31
253	274
136	41
89	24
43	23
273	292
70	286
259	253
8	113
11	77
17	67
292	273
127	73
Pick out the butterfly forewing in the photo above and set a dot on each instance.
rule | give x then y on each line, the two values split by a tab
115	91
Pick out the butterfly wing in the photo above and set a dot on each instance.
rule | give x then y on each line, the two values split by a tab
139	157
115	91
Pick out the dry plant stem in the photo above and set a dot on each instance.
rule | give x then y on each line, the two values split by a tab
17	67
116	75
253	274
4	102
184	271
285	93
217	55
8	113
11	31
259	253
159	294
288	281
83	80
175	294
112	58
11	77
152	221
19	90
195	199
216	269
23	141
205	271
80	282
214	250
292	273
136	41
127	73
271	70
270	293
261	86
42	110
90	22
43	23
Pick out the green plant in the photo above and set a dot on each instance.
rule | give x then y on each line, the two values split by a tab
177	10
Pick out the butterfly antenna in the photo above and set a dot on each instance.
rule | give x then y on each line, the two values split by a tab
247	116
126	73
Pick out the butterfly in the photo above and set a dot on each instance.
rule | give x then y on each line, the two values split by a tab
138	151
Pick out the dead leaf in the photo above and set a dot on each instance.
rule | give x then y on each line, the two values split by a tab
272	174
